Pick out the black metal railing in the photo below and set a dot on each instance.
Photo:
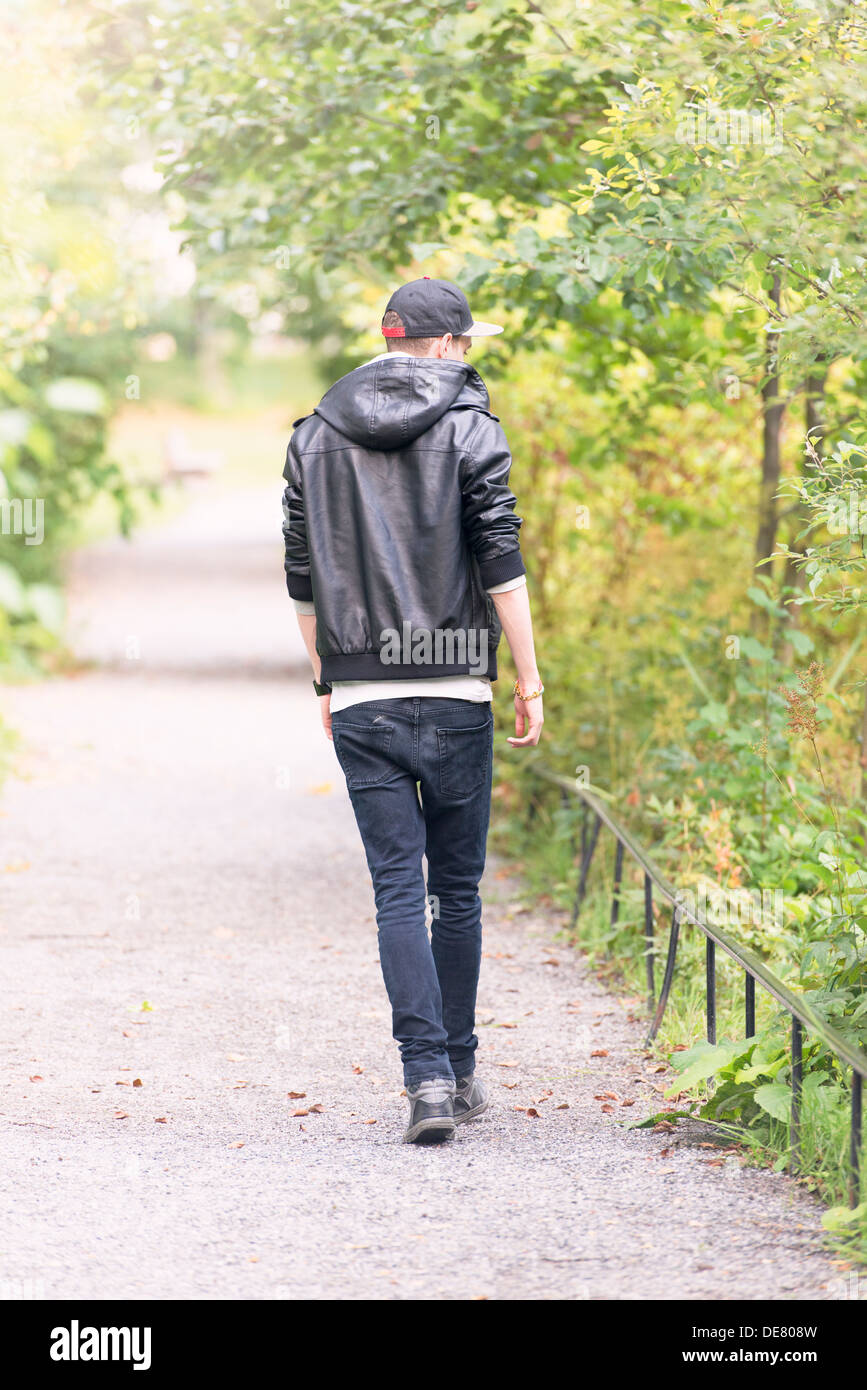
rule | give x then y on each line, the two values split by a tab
594	816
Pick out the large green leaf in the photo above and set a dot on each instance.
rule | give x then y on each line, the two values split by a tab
776	1099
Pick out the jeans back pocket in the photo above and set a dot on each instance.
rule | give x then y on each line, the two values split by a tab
362	751
465	758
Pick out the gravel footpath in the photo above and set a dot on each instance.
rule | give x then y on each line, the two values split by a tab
187	906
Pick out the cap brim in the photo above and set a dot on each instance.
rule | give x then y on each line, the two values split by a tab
480	329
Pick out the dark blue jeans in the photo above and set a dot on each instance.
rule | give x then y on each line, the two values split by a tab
418	772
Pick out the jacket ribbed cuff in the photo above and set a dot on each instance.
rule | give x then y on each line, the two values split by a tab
501	568
299	586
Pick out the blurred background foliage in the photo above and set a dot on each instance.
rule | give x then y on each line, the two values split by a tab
205	207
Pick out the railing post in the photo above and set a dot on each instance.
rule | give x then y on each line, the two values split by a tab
669	972
797	1080
648	939
855	1142
750	1004
710	977
588	846
618	877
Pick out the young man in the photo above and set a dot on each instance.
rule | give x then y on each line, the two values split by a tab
403	561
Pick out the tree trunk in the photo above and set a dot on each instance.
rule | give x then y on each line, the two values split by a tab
815	411
863	759
773	417
814	421
212	378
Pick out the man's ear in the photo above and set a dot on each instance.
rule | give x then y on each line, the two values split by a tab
444	344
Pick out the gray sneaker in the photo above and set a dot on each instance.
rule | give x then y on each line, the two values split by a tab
431	1112
471	1100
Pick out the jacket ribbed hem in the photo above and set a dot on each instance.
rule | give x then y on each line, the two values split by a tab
366	666
501	568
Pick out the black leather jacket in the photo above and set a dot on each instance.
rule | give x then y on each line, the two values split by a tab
397	517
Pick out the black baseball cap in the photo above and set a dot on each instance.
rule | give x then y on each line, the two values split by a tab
429	308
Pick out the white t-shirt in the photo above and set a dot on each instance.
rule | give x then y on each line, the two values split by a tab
476	688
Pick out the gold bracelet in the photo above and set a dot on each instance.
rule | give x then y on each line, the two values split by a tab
532	696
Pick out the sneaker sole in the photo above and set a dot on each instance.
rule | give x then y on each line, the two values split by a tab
474	1113
430	1131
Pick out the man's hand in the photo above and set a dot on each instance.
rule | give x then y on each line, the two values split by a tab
325	713
528	722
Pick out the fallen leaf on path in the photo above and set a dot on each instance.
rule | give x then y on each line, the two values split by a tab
370	1122
238	1145
608	1109
36	1078
126	1034
235	1057
564	1105
160	1120
663	1126
297	1113
316	1109
509	1085
121	1115
627	1102
600	1052
551	961
505	1064
138	1081
505	1025
358	1070
296	1095
529	1110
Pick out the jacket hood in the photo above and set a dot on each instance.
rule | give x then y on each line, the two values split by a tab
389	403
